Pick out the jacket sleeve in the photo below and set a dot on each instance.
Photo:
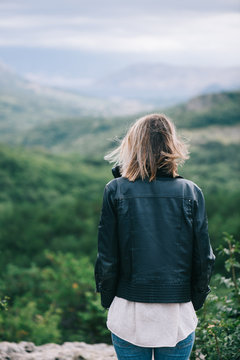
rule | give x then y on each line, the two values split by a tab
203	258
107	263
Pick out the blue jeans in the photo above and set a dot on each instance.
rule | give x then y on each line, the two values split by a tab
125	350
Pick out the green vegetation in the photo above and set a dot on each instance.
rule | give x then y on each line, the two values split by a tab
85	135
207	110
218	330
54	303
4	303
47	202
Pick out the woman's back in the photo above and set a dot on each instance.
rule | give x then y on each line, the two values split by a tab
157	229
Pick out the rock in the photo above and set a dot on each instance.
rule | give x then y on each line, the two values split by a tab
67	351
28	346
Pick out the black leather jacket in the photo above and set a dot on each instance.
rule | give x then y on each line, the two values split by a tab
153	242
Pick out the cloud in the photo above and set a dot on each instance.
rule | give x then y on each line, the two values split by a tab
41	21
202	32
198	32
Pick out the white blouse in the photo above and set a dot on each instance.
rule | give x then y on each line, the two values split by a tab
151	325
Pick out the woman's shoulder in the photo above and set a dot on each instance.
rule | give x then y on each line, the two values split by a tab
191	187
113	183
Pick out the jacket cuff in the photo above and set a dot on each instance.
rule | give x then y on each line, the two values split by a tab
107	297
198	298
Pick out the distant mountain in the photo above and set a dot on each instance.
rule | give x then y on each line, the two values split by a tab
167	84
143	84
62	121
91	136
24	104
206	110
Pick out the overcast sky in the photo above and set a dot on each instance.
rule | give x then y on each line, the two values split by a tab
112	34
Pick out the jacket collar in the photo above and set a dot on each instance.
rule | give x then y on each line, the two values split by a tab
160	173
116	171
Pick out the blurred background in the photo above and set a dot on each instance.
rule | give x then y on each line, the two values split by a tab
73	76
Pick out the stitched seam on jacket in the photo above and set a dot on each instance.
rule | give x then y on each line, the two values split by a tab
154	196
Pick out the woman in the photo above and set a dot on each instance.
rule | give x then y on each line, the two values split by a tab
154	259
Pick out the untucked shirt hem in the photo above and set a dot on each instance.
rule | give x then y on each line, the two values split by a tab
150	346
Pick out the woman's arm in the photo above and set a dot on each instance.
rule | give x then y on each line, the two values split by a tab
107	263
203	257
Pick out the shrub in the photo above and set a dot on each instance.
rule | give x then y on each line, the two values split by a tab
53	304
218	330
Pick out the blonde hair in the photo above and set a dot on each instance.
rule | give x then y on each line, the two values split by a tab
150	143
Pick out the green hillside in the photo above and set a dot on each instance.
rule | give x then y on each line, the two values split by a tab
24	104
206	110
47	202
86	135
